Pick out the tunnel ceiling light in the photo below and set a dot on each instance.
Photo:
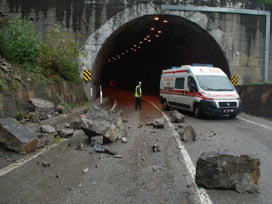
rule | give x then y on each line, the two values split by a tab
123	53
131	48
165	21
139	47
145	38
135	50
148	36
109	60
126	50
152	28
157	36
149	40
159	31
156	18
134	45
141	42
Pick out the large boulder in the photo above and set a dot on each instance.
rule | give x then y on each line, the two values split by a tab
216	170
101	122
36	104
157	123
17	137
176	117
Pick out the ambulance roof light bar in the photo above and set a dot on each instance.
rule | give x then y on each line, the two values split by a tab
205	65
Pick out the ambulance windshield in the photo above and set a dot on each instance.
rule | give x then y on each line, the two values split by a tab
215	83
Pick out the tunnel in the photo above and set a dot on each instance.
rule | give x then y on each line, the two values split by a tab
142	48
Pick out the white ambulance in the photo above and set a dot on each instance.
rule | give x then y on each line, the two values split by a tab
201	89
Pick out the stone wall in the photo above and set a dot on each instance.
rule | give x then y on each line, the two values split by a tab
257	99
12	102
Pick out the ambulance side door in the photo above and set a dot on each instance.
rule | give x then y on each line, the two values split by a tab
180	97
192	90
168	87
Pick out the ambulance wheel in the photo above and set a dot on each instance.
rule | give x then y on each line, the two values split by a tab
197	111
165	105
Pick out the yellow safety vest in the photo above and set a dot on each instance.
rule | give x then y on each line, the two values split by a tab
136	92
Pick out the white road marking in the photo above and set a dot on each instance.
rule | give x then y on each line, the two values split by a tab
114	105
258	124
201	195
21	162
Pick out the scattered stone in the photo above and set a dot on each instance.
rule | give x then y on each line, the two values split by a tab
69	189
228	171
57	176
156	168
97	140
36	104
85	170
176	117
157	123
104	149
139	126
60	109
112	133
187	134
125	120
76	125
64	132
96	166
101	122
80	146
180	126
118	156
45	164
80	185
48	129
17	137
156	148
124	139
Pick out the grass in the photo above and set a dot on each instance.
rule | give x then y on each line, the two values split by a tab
57	140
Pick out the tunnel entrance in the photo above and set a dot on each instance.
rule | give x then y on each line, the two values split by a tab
142	48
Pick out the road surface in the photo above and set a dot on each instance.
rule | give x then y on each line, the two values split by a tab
141	175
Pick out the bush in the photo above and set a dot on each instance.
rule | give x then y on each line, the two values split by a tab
58	55
20	42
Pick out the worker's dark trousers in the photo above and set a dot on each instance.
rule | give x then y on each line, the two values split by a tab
138	103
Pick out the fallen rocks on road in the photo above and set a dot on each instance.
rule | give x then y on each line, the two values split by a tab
176	117
104	149
102	122
17	137
187	134
48	129
216	170
45	164
65	132
157	123
155	148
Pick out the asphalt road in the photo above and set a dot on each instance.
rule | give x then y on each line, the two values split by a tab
141	175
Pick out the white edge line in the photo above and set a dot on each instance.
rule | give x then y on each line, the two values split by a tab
114	105
201	193
22	161
269	128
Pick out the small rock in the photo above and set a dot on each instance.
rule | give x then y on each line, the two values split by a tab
45	164
187	134
118	156
85	170
97	140
157	123
57	176
124	139
48	129
104	149
80	146
156	168
176	117
156	148
65	132
80	185
125	120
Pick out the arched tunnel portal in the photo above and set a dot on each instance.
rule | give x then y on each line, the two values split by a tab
141	48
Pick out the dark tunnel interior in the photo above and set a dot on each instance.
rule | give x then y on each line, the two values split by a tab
142	48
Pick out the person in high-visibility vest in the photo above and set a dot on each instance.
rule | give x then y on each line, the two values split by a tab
138	96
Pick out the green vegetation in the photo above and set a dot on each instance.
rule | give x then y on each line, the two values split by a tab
20	42
36	60
56	140
66	105
20	115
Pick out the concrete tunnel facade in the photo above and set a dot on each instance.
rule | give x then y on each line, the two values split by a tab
135	46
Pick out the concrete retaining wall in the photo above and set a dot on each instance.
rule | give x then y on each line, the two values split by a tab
257	99
12	102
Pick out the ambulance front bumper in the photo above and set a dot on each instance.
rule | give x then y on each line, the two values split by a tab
210	108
